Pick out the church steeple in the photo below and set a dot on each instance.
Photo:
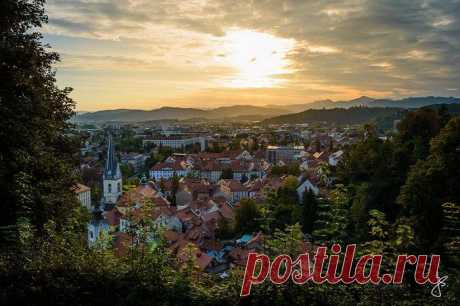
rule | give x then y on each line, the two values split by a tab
112	174
111	162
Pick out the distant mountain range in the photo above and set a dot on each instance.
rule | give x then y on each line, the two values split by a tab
412	102
250	112
131	115
353	115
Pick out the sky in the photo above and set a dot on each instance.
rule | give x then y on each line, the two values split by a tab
144	54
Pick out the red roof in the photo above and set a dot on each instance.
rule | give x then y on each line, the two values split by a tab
175	166
113	217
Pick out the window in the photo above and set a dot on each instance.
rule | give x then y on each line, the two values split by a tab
110	188
119	187
91	235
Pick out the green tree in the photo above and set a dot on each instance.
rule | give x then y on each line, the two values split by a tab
224	229
227	174
127	170
417	129
431	183
284	204
37	156
333	216
309	210
247	216
174	188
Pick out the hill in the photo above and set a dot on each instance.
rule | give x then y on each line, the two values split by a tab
236	112
142	115
132	115
412	102
354	115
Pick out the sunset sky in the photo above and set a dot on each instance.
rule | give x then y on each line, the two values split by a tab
149	53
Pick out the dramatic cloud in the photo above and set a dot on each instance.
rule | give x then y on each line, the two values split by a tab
142	53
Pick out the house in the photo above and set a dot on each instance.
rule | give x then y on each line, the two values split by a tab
276	153
84	195
168	222
304	186
233	190
96	228
168	169
183	197
303	165
335	157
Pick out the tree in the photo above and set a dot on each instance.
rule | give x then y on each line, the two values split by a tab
37	156
127	170
432	182
309	207
284	204
417	129
128	142
332	221
324	172
174	188
227	174
450	233
292	169
224	229
246	216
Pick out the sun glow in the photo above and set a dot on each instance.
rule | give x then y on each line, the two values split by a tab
259	58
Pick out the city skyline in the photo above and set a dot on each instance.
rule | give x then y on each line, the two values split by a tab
204	54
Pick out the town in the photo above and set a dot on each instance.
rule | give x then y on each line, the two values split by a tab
196	183
229	152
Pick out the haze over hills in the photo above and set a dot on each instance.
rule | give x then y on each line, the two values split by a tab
353	115
411	102
254	112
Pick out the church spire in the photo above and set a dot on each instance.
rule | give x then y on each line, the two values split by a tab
111	162
112	180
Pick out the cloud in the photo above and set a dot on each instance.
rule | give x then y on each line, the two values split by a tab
389	46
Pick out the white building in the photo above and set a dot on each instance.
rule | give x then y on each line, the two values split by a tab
95	229
334	158
178	142
306	185
84	195
168	169
276	153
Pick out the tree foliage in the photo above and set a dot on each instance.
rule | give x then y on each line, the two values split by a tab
37	153
247	216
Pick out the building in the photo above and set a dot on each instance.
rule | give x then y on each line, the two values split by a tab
96	228
178	141
233	190
284	153
84	195
168	169
305	186
334	158
112	178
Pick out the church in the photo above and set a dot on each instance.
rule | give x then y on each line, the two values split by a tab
112	185
112	179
